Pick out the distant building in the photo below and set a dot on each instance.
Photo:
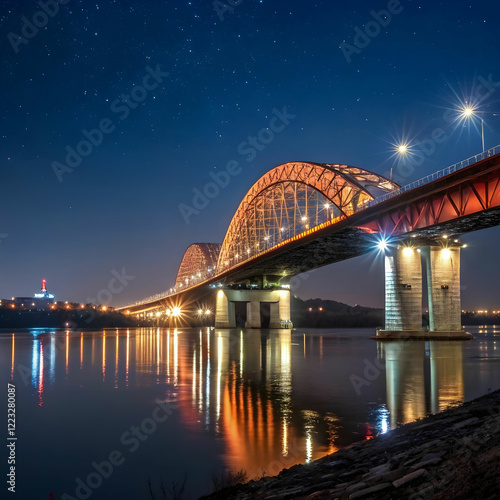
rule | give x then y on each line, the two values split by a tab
44	294
40	301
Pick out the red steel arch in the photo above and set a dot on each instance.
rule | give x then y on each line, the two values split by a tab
198	264
292	198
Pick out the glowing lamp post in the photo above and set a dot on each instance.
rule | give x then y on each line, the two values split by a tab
469	112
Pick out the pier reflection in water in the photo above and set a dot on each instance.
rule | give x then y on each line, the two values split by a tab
422	378
245	399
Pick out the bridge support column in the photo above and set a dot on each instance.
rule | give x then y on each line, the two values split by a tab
443	287
225	315
279	302
253	314
280	311
274	320
403	294
403	291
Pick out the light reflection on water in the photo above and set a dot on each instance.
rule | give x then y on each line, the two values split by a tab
267	399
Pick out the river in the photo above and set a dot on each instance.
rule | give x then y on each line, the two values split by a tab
99	413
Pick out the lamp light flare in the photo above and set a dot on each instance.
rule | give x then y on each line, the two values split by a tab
445	252
382	244
468	111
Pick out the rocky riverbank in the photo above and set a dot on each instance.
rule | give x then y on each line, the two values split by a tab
452	455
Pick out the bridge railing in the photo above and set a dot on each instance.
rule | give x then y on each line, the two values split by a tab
173	290
433	177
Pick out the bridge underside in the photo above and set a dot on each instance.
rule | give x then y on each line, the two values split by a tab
350	242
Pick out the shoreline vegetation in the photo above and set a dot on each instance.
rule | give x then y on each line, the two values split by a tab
451	454
311	313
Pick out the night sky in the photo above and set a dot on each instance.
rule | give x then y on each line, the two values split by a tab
177	87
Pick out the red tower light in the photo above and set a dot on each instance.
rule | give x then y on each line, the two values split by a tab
44	285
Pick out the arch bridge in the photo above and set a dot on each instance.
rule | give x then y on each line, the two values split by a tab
303	215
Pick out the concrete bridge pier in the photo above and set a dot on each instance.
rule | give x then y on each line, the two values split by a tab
443	289
279	307
403	290
253	314
403	294
225	313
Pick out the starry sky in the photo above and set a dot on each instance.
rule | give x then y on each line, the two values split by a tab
169	91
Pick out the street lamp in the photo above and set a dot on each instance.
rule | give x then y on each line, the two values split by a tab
468	112
400	149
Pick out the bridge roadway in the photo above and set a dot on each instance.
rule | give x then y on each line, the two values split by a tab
462	201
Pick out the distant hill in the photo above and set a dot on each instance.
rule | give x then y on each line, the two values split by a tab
320	313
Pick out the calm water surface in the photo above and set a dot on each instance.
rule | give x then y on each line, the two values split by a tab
167	404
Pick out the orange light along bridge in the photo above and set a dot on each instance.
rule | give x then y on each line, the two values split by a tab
301	215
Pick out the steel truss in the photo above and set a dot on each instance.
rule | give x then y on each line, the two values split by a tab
198	264
464	198
291	199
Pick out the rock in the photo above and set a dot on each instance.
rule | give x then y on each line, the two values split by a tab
319	486
465	423
351	474
380	468
337	463
425	463
369	491
408	478
355	486
450	455
328	476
